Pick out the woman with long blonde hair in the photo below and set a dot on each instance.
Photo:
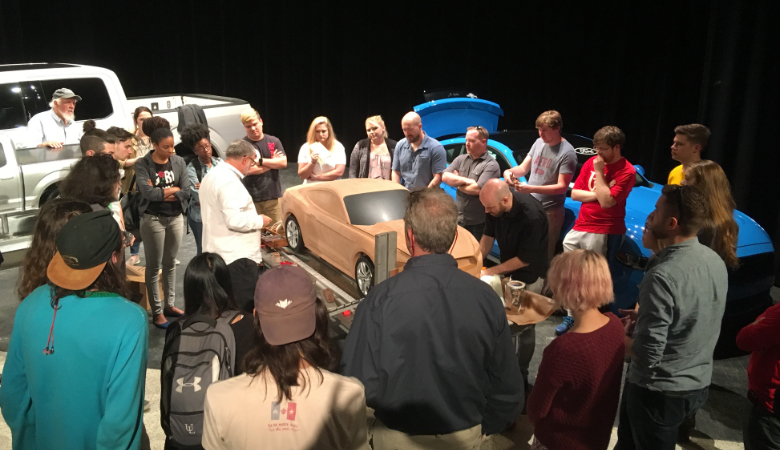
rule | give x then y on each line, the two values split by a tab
721	234
372	157
322	157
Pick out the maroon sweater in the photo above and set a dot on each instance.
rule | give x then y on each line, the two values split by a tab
574	401
763	339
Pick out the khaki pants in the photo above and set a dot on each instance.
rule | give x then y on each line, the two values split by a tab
271	209
387	439
555	218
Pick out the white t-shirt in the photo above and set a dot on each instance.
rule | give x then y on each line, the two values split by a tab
243	413
328	159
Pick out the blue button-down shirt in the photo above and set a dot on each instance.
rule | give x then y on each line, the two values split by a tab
418	167
48	126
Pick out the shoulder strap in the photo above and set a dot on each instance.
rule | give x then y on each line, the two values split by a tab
198	169
199	318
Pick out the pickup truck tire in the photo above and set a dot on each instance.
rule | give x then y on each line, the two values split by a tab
50	193
293	234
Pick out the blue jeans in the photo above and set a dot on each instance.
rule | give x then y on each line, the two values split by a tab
197	231
649	419
136	247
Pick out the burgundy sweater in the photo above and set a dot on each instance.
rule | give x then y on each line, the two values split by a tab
574	401
762	337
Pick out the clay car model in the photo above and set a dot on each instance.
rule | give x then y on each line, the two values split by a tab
338	221
749	285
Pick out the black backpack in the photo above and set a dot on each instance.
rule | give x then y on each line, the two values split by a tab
198	352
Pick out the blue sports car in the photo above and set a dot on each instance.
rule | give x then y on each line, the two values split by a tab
748	296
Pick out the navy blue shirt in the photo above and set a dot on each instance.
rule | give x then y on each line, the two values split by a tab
433	349
418	167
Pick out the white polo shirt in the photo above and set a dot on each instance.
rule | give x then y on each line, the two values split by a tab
48	126
231	225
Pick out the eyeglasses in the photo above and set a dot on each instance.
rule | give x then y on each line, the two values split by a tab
252	162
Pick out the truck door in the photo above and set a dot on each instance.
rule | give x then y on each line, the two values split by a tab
10	178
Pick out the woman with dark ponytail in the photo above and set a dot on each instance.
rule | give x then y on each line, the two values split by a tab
162	180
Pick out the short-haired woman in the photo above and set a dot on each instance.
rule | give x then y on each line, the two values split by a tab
322	157
162	180
372	157
575	398
286	399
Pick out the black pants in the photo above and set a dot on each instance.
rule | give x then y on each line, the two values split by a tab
650	419
243	277
475	230
761	430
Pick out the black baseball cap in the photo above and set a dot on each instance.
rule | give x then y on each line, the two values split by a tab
84	246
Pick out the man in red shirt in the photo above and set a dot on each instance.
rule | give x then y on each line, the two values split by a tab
602	186
762	424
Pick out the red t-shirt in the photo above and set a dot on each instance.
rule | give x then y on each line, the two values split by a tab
595	219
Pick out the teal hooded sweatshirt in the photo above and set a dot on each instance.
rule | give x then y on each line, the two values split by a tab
89	393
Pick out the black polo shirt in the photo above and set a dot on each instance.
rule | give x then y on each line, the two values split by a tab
522	232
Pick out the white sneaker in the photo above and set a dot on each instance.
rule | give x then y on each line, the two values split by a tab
177	262
133	260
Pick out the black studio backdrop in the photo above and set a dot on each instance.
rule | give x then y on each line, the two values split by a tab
643	66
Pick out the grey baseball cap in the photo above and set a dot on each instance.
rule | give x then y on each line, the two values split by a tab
65	93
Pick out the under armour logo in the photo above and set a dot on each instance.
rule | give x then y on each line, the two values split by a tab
181	383
190	427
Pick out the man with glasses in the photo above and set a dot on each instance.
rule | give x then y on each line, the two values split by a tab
671	338
468	174
418	160
549	166
231	224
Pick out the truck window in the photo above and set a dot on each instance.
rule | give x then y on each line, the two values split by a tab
95	102
11	107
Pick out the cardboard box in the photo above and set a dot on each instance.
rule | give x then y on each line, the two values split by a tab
136	278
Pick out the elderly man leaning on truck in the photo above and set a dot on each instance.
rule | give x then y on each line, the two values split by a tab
55	128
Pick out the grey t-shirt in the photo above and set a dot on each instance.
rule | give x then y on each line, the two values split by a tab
547	162
481	170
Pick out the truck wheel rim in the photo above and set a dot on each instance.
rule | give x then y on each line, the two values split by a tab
364	277
292	234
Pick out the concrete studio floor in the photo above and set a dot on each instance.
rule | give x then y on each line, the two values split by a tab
719	423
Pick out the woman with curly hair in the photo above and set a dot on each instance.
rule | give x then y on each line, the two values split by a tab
721	234
197	138
52	217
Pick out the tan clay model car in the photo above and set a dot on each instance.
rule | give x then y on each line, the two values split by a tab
338	221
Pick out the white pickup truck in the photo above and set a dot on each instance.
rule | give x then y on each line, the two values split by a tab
29	176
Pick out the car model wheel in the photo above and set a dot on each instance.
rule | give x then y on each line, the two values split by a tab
293	233
364	275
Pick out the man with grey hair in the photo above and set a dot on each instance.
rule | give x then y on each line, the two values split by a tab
431	345
231	225
54	128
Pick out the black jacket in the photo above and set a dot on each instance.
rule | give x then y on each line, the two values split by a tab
433	349
359	160
145	167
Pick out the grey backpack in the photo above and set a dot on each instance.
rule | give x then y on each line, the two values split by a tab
198	351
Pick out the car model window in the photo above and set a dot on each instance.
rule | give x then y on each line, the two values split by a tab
503	163
95	102
453	151
328	202
375	207
11	107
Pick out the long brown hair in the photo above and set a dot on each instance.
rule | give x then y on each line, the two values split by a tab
709	177
52	217
283	362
